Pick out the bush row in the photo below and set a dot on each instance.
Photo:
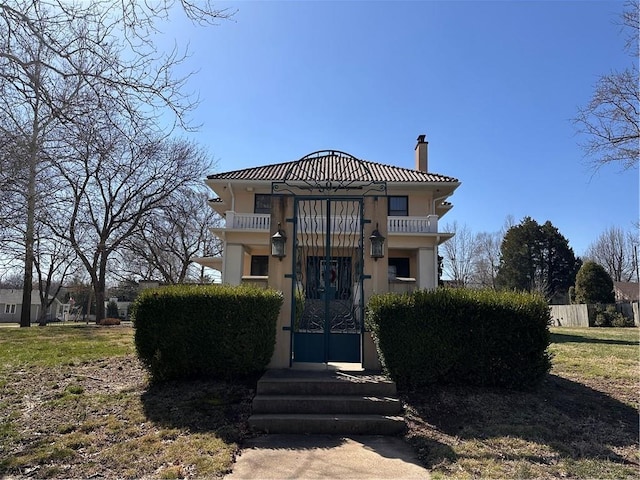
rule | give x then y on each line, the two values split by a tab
213	331
479	337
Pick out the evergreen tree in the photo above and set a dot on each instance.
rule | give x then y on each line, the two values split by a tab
112	310
536	257
594	284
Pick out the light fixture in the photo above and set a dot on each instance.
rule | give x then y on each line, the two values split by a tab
377	244
278	241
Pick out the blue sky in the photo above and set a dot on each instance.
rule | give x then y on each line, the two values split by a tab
493	85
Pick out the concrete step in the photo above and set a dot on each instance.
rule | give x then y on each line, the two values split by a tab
328	424
291	382
336	404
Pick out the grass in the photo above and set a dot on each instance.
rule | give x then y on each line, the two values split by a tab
58	345
596	353
75	403
582	422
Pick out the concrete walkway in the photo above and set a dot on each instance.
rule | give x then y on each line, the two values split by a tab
326	457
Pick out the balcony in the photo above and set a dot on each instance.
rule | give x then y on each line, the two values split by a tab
428	224
247	221
341	224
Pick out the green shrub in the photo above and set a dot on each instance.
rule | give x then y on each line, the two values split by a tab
479	337
299	308
212	331
593	284
608	316
112	310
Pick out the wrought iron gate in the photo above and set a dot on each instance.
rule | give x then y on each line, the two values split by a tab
328	307
328	189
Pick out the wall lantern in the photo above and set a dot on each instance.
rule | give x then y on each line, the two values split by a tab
377	244
278	241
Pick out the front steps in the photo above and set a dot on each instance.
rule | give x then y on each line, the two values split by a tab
326	402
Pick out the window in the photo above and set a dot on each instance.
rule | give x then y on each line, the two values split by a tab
398	206
400	266
262	203
10	308
259	265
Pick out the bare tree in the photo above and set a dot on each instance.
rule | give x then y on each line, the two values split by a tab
114	184
614	250
171	236
459	254
487	259
611	120
487	255
57	55
55	261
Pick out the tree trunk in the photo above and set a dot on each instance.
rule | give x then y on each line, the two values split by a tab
100	282
25	312
99	293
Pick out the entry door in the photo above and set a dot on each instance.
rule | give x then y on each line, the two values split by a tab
328	310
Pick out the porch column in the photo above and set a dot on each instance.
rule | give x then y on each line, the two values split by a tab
281	209
427	268
233	264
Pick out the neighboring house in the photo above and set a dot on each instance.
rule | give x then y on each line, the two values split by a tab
626	291
329	230
11	306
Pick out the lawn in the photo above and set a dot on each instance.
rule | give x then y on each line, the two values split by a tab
581	423
75	403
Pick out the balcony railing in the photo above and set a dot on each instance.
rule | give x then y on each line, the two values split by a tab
247	221
342	224
428	224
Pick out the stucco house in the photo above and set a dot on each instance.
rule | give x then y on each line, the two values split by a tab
11	306
329	230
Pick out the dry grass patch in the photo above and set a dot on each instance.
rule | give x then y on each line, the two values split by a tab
98	416
581	423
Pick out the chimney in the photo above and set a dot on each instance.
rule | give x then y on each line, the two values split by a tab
422	155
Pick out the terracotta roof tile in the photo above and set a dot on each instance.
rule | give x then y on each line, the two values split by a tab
332	166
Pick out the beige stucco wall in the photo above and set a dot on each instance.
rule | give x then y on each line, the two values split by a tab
281	209
420	204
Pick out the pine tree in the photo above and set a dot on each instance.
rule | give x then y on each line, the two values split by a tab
536	257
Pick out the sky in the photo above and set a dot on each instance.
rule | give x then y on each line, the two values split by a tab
493	85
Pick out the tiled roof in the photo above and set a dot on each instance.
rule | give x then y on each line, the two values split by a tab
332	166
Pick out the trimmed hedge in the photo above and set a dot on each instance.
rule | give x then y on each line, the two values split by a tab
478	337
186	331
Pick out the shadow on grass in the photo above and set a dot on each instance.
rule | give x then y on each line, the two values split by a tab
565	338
211	406
573	420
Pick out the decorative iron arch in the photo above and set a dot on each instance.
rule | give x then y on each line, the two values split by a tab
327	172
